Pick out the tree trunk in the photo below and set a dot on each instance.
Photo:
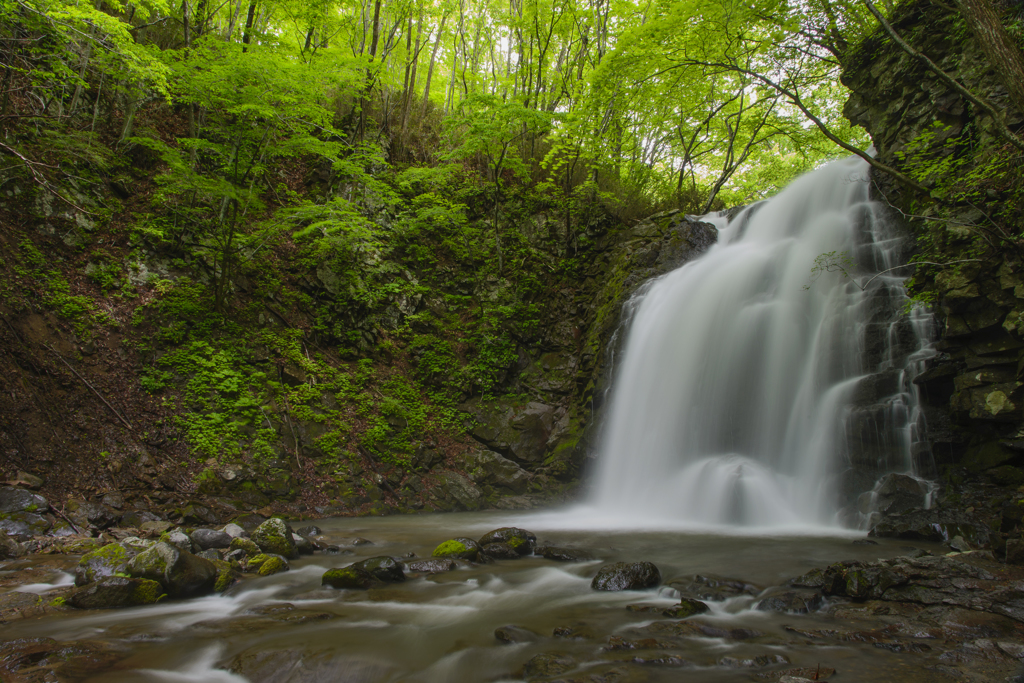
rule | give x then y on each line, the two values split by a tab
1003	55
433	60
250	18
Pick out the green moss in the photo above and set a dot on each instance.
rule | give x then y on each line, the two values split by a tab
515	541
272	565
59	602
112	552
449	549
147	592
244	544
257	561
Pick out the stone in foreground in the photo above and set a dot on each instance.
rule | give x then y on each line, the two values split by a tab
625	576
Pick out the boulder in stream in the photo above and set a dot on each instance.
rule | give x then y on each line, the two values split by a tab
22	526
461	548
275	536
500	551
790	601
181	573
687	607
350	577
521	540
111	592
622	576
109	560
246	545
434	565
558	554
267	564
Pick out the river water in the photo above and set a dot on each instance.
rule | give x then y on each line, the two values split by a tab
441	628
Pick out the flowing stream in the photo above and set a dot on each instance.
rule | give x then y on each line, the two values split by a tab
730	405
731	411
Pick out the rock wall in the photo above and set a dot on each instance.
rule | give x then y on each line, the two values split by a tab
972	390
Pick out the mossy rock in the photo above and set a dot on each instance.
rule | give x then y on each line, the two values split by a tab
245	545
351	577
274	536
181	574
227	575
112	592
383	568
520	540
109	560
267	564
461	548
686	608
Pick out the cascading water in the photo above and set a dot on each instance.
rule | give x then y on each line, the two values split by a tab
729	406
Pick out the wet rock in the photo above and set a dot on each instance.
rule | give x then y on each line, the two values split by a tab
433	566
456	491
687	607
937	525
179	539
515	634
210	554
500	551
45	659
235	531
517	431
667	660
620	643
798	675
960	545
209	538
758	662
712	587
899	493
246	545
194	513
548	664
22	526
9	548
558	554
275	536
303	544
790	601
487	468
238	556
106	561
313	665
309	531
621	576
383	568
266	564
519	539
181	573
136	518
112	592
460	548
350	577
19	500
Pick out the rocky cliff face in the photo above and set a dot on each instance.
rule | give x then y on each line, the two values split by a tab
972	390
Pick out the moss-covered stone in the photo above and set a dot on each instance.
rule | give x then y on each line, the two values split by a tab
275	536
112	592
520	540
181	574
351	577
109	560
245	545
462	548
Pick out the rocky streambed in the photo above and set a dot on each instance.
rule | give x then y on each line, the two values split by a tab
449	597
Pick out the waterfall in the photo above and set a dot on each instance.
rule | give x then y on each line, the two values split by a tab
731	403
